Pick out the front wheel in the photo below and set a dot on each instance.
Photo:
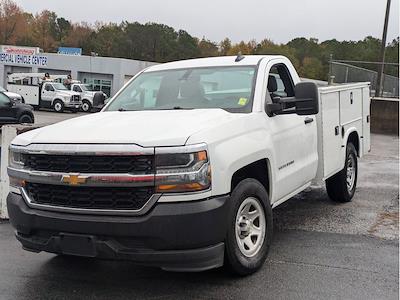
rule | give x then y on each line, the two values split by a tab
86	106
25	119
250	228
342	186
58	106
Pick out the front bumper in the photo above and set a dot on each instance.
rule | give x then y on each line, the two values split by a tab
73	105
187	236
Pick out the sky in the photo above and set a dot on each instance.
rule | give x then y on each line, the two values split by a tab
278	20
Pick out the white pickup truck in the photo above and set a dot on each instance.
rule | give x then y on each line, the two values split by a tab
183	167
91	99
42	92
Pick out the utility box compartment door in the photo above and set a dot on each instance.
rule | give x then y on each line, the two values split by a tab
350	105
331	136
366	123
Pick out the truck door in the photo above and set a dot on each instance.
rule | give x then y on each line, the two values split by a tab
47	95
294	137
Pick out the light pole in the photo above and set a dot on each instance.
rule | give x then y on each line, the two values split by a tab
379	79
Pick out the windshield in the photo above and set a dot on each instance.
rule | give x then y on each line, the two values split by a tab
229	88
2	89
87	87
59	86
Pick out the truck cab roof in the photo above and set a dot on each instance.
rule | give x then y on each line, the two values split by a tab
219	61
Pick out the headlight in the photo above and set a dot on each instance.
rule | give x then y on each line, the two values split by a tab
182	172
16	160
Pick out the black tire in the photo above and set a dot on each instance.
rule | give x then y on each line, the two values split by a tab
336	186
58	106
26	119
235	260
86	106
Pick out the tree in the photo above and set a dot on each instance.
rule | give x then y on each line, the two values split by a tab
11	21
45	30
225	47
63	28
312	68
207	48
244	48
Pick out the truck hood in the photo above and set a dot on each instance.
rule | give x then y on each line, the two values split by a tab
67	93
13	95
144	128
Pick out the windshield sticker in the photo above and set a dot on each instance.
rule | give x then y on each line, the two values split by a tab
243	101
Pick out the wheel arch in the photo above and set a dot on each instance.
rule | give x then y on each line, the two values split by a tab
259	170
353	137
56	99
26	112
88	100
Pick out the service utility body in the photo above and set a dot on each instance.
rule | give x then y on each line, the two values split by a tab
183	166
42	90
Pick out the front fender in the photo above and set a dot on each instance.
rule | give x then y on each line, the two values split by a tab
233	146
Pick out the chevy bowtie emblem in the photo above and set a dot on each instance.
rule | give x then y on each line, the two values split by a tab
73	179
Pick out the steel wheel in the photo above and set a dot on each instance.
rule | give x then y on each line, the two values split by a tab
58	107
351	172
86	106
250	227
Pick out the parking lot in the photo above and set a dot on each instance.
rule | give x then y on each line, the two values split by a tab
43	117
321	250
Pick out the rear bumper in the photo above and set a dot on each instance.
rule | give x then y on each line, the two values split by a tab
174	236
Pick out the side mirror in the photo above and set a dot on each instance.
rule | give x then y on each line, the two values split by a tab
306	94
305	101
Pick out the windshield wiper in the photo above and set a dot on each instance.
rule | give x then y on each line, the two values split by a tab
174	108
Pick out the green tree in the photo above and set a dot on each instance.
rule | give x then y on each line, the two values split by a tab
225	47
207	48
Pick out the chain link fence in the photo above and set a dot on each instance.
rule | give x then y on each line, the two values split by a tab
344	73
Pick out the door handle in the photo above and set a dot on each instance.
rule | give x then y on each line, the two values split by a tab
308	120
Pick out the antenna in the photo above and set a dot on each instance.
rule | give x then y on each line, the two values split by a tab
239	57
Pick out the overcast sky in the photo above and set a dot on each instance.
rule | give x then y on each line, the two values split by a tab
279	20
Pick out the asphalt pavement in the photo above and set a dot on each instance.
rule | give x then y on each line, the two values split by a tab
321	250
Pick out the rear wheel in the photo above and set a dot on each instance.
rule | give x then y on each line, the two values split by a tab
342	186
86	106
250	228
58	106
26	119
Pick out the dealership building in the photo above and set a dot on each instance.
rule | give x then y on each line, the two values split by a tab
107	74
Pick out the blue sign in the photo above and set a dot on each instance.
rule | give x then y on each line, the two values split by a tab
70	51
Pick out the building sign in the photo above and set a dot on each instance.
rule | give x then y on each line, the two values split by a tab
22	55
70	51
19	50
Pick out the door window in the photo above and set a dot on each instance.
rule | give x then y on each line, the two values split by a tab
280	82
77	89
49	88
